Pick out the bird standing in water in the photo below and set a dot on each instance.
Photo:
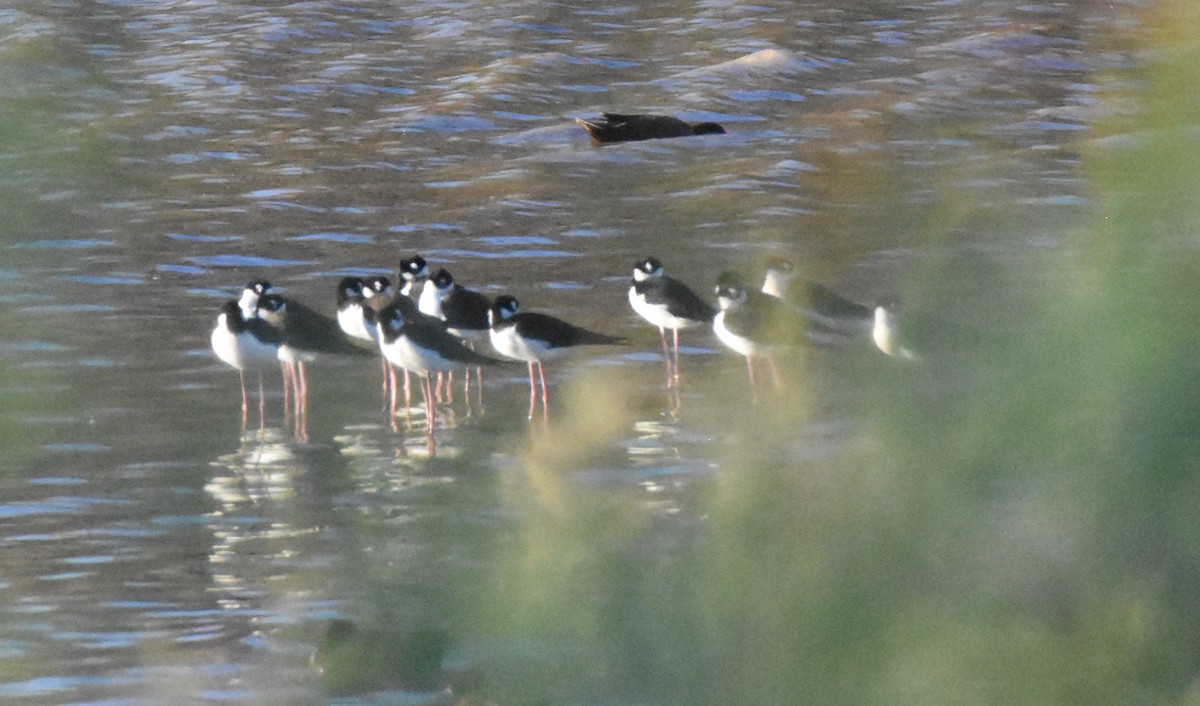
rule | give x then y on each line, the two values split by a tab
411	342
668	304
755	325
358	302
532	337
245	343
306	334
465	312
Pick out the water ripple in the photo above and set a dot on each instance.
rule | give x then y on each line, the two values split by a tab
245	261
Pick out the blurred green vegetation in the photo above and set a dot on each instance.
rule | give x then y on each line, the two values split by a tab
1013	524
49	156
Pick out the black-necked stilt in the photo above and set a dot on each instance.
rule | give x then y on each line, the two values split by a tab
818	303
350	298
358	302
245	344
254	290
533	337
885	332
465	312
414	274
754	325
617	127
413	343
668	304
306	334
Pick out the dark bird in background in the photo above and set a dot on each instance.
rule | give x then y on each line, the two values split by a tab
617	127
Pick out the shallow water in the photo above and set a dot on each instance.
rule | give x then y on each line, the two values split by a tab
154	552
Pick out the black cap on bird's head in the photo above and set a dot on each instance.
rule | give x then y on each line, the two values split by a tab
650	267
502	308
393	316
730	288
443	279
350	289
391	319
376	285
254	289
258	286
271	304
414	268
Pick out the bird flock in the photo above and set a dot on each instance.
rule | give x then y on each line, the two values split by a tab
430	327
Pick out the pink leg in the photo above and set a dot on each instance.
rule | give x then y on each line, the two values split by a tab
467	389
262	404
662	334
245	403
425	392
532	391
430	412
301	402
545	397
388	381
676	364
302	384
479	385
430	409
286	368
390	401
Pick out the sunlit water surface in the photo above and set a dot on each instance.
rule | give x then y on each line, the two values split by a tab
153	552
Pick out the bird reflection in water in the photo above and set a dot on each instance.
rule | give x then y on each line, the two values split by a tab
253	490
374	452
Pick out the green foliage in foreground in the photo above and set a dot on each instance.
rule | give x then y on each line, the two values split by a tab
1017	527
